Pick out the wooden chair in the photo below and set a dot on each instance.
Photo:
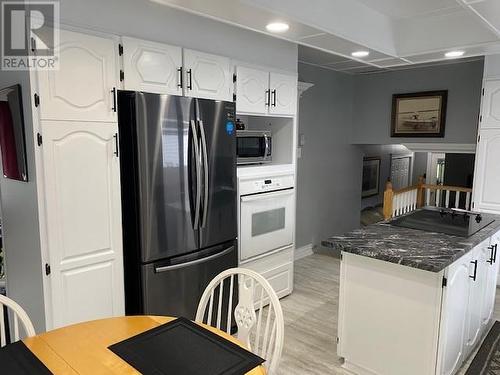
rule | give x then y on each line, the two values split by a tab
260	327
18	314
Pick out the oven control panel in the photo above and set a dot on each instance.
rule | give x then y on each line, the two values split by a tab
263	184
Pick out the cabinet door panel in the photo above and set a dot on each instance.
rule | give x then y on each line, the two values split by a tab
152	67
491	269
207	76
252	87
453	325
81	89
476	293
283	94
487	176
491	105
83	216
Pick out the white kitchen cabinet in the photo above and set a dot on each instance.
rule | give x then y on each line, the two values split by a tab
453	330
487	176
152	67
490	258
490	108
283	94
83	87
83	220
207	76
261	92
252	88
478	277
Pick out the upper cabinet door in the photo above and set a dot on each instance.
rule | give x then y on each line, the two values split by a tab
82	87
152	67
207	76
283	94
487	177
252	90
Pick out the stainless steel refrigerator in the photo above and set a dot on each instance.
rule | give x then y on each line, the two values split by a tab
178	178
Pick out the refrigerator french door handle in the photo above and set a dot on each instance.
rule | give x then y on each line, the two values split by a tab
205	173
198	177
193	262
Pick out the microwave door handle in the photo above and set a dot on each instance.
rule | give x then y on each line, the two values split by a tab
205	173
198	177
266	149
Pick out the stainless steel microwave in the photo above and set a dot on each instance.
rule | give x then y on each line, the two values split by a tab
253	146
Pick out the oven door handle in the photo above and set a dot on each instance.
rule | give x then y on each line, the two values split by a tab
271	194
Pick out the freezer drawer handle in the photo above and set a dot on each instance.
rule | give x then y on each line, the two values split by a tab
193	262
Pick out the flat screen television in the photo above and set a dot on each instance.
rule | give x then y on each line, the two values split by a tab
12	137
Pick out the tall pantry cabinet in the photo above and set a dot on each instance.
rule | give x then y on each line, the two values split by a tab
80	211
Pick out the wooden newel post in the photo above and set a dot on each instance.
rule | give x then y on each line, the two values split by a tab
420	192
388	197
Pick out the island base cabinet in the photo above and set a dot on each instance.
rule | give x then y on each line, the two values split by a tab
388	317
395	319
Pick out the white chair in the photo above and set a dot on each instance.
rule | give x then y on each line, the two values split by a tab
18	314
260	328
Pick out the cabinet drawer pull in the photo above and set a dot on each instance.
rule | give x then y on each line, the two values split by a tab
491	260
180	84
268	98
274	98
473	277
113	91
190	79
495	254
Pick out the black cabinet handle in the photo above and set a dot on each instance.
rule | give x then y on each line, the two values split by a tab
491	260
116	144
473	277
180	84
274	98
268	98
495	254
114	99
190	79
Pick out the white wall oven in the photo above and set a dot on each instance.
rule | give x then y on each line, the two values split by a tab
267	215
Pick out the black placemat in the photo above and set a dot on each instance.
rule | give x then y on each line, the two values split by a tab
17	359
184	347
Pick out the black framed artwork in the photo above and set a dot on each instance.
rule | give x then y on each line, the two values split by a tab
371	177
420	114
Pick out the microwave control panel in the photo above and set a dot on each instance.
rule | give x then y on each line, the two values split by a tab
260	185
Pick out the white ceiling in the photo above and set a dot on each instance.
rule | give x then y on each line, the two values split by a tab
397	33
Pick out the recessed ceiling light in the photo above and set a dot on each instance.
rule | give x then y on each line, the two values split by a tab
454	54
277	27
360	54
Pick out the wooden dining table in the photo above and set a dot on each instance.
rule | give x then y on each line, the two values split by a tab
83	348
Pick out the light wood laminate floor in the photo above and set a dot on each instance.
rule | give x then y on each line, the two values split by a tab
311	318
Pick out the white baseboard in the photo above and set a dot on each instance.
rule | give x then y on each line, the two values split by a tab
303	251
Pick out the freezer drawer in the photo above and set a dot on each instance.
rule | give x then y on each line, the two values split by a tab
175	289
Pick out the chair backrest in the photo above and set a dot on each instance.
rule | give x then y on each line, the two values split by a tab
18	314
260	327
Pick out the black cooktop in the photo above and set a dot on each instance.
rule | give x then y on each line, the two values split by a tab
448	221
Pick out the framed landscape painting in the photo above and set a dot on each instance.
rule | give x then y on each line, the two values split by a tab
421	114
371	177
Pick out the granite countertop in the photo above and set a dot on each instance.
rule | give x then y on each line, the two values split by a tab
428	251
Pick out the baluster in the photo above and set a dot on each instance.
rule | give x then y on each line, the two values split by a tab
467	201
457	199
427	197
447	200
438	195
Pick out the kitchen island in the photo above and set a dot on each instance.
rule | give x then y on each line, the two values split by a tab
412	301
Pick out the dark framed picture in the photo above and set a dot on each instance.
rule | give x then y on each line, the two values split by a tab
12	138
371	177
421	114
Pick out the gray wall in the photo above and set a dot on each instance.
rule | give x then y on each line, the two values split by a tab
373	101
20	231
152	21
329	171
419	165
